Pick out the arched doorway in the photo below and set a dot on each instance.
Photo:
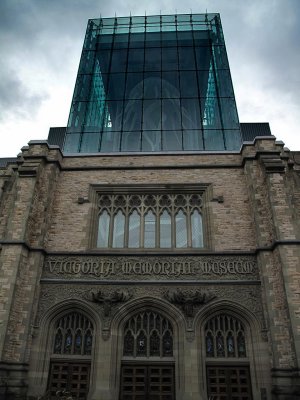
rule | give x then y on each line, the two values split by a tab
147	370
227	359
70	362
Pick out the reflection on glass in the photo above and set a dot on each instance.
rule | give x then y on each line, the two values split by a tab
149	230
134	230
103	229
165	230
181	230
197	231
118	233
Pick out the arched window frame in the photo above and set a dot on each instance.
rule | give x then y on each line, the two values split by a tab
140	330
157	200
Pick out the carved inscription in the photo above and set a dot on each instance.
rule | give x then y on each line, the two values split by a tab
145	268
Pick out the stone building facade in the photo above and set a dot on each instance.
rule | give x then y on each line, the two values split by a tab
199	301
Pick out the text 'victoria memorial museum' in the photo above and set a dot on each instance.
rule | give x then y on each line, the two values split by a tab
150	250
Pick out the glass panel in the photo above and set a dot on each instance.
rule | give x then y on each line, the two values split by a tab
169	59
209	345
132	115
165	230
68	342
167	345
188	84
220	345
110	142
170	85
191	117
172	140
116	87
181	230
213	139
230	345
134	230
151	140
128	344
186	58
58	342
90	142
88	343
149	239
134	86
152	114
192	140
113	115
154	344
103	58
153	59
141	344
78	343
72	143
131	141
135	60
241	345
171	114
118	60
152	85
197	232
233	139
119	227
103	229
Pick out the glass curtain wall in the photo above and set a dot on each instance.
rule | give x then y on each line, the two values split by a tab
153	83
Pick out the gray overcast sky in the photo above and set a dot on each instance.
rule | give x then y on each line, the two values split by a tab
41	42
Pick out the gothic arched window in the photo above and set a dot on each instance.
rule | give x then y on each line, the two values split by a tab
73	335
225	337
144	220
148	334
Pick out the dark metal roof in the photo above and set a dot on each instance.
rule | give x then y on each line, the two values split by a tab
57	136
250	130
5	161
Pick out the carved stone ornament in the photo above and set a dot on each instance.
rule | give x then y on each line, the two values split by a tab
188	299
118	296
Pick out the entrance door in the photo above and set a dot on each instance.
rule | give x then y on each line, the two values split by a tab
147	382
228	383
70	377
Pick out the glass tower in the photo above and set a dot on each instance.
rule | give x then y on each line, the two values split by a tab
153	84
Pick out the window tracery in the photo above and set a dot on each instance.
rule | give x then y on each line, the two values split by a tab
148	334
150	220
73	335
225	337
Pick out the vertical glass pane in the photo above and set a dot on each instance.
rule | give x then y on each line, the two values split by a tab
134	86
118	60
188	84
153	59
119	227
186	58
135	60
169	59
132	115
172	140
171	118
213	139
197	232
110	142
165	230
90	142
192	140
72	143
131	141
151	141
190	111
149	230
152	114
181	229
170	85
152	85
103	229
116	87
134	230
